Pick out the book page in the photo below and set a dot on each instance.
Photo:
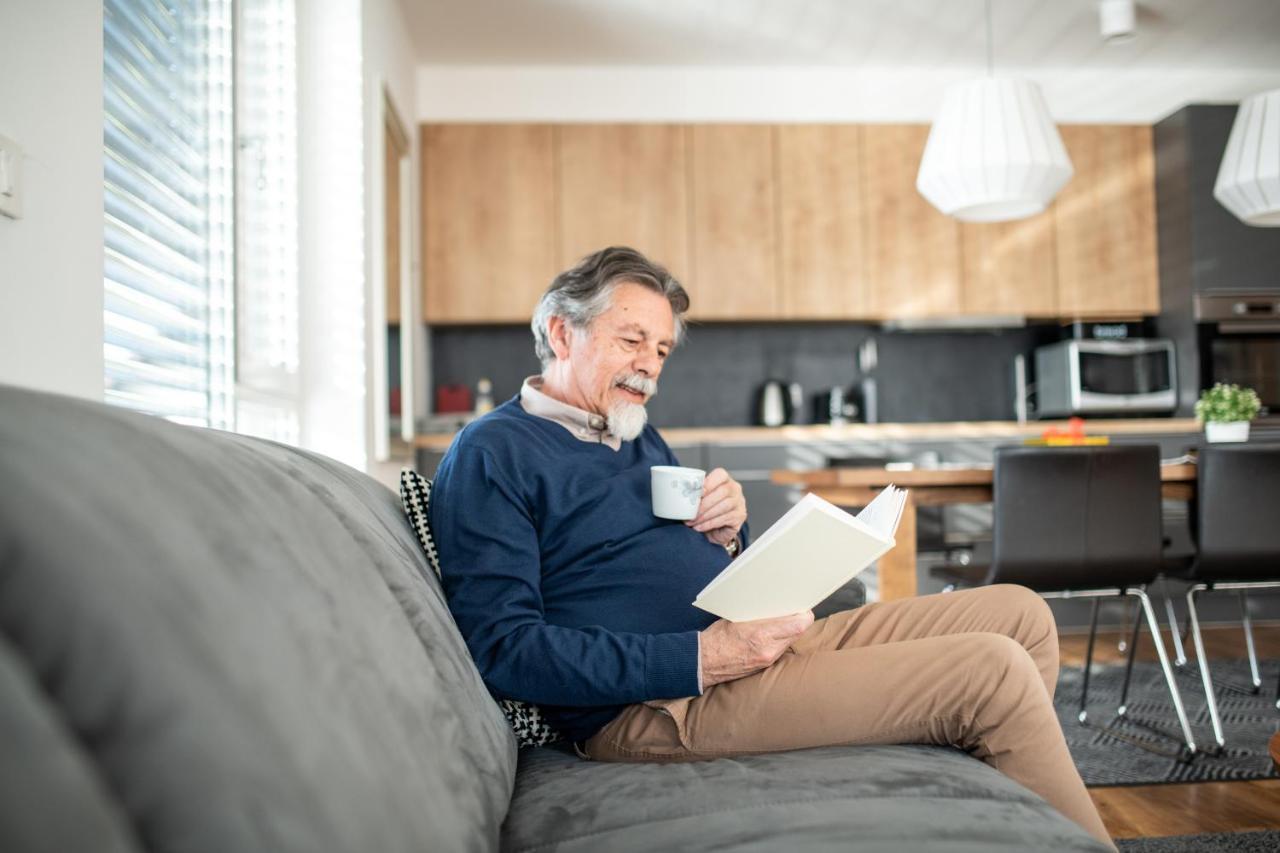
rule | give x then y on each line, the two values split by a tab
806	505
885	511
808	554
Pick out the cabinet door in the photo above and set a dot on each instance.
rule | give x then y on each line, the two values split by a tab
1010	267
913	251
821	222
624	185
735	250
489	239
1105	223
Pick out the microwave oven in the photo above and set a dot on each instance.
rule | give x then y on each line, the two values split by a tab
1099	377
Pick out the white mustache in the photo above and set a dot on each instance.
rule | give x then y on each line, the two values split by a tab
638	383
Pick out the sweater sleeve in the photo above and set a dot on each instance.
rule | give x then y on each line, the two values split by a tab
487	540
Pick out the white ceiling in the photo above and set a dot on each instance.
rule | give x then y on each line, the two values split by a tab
1182	35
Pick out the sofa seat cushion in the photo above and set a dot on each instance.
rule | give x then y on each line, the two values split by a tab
874	798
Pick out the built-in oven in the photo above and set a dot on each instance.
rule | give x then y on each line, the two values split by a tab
1102	377
1239	343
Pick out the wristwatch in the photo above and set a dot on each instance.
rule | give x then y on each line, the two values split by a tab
732	547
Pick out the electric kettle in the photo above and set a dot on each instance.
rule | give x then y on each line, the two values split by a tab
777	403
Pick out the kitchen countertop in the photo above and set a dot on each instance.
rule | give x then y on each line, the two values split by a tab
823	433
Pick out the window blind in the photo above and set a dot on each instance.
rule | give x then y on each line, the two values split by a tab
169	225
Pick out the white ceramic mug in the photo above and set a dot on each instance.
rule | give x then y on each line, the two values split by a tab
676	491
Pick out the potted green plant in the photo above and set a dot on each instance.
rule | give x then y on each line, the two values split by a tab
1226	411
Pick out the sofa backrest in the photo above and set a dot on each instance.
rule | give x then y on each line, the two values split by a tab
213	642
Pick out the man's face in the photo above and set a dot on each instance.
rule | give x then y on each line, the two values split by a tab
614	365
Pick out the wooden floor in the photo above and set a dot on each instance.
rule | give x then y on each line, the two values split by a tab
1152	810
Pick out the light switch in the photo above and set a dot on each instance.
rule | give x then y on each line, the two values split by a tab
10	178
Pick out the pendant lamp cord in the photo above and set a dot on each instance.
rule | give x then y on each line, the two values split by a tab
990	61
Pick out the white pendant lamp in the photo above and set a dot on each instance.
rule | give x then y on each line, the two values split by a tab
1248	182
994	153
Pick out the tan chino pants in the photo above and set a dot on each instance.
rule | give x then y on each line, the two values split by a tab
974	669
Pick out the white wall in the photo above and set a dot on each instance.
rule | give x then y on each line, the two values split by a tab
51	258
388	66
783	94
331	227
348	52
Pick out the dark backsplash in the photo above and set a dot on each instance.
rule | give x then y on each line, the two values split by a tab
712	378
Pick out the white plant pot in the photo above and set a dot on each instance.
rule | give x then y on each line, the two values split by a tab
1220	431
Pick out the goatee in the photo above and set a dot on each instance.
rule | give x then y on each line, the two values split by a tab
627	420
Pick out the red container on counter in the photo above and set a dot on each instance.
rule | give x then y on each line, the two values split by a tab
453	398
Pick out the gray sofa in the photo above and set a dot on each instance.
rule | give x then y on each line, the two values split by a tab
215	643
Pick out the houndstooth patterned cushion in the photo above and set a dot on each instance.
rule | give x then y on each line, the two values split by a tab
526	720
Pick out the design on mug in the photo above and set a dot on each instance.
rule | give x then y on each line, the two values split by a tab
689	488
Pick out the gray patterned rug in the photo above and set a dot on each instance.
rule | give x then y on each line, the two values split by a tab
1248	722
1267	841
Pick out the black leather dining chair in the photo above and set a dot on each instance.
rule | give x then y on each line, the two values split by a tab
1237	531
1084	522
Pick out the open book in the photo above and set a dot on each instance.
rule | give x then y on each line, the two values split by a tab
809	553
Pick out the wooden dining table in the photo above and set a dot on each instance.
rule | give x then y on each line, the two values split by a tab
855	487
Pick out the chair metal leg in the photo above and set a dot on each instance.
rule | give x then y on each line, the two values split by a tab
1128	667
1248	641
1124	625
1179	651
1154	627
1083	716
1203	659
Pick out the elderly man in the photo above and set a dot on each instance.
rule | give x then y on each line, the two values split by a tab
571	594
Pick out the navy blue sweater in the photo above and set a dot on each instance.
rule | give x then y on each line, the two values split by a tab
570	593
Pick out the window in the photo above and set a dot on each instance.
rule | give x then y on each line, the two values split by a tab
200	270
168	238
267	221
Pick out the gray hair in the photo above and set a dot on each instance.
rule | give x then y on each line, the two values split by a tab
581	294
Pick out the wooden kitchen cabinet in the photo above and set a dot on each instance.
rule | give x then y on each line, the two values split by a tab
734	227
489	214
1010	268
776	222
1105	224
913	251
822	222
624	185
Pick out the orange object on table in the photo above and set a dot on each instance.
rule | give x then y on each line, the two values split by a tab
1072	436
